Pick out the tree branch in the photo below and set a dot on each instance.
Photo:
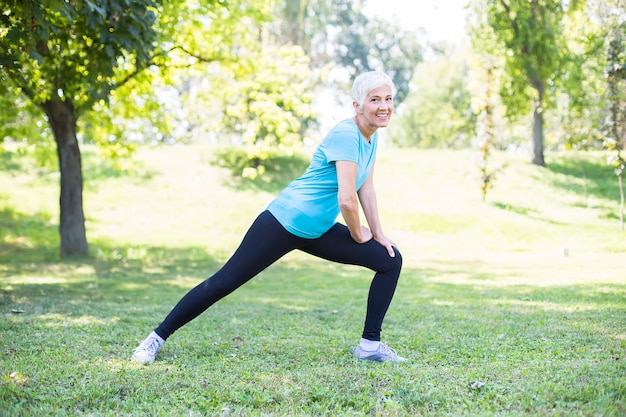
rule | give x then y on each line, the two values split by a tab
507	9
21	83
133	74
198	57
153	61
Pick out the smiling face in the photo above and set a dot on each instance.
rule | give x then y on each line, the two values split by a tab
376	110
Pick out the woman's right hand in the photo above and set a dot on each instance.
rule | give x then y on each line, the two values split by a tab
365	235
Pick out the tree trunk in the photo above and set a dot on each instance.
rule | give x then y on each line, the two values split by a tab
620	179
72	219
538	128
538	138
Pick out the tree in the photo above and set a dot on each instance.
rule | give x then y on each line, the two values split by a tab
65	56
69	56
527	34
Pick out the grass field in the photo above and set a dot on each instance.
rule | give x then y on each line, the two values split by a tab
511	306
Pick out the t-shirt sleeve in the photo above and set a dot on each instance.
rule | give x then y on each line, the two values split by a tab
342	145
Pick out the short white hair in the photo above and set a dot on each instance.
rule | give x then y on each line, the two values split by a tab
367	82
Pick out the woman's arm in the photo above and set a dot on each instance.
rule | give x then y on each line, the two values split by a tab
349	201
367	197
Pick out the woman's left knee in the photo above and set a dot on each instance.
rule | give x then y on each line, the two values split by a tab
398	258
394	263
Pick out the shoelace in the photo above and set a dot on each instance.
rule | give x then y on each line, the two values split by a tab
151	346
386	350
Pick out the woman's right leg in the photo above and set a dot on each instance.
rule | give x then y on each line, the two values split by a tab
337	245
265	242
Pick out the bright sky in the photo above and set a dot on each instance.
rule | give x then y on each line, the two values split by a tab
440	19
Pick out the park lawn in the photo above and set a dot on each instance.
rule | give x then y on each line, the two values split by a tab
511	306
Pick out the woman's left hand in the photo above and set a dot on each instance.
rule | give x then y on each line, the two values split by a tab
387	243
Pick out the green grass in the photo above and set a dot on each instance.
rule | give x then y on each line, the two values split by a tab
495	318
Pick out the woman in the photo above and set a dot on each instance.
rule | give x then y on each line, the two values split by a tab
303	216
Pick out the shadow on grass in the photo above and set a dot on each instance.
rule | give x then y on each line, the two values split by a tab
585	175
133	283
27	238
525	211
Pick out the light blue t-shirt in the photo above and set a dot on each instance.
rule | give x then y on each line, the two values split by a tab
308	206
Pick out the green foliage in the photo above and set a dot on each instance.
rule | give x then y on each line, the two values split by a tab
486	130
615	140
87	43
202	90
616	124
136	112
24	126
260	166
581	106
526	33
437	112
103	51
273	108
575	106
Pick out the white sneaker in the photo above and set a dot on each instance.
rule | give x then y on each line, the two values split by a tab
147	350
383	354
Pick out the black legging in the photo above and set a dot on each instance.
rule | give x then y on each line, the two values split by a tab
267	241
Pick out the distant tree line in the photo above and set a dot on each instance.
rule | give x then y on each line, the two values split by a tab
557	66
